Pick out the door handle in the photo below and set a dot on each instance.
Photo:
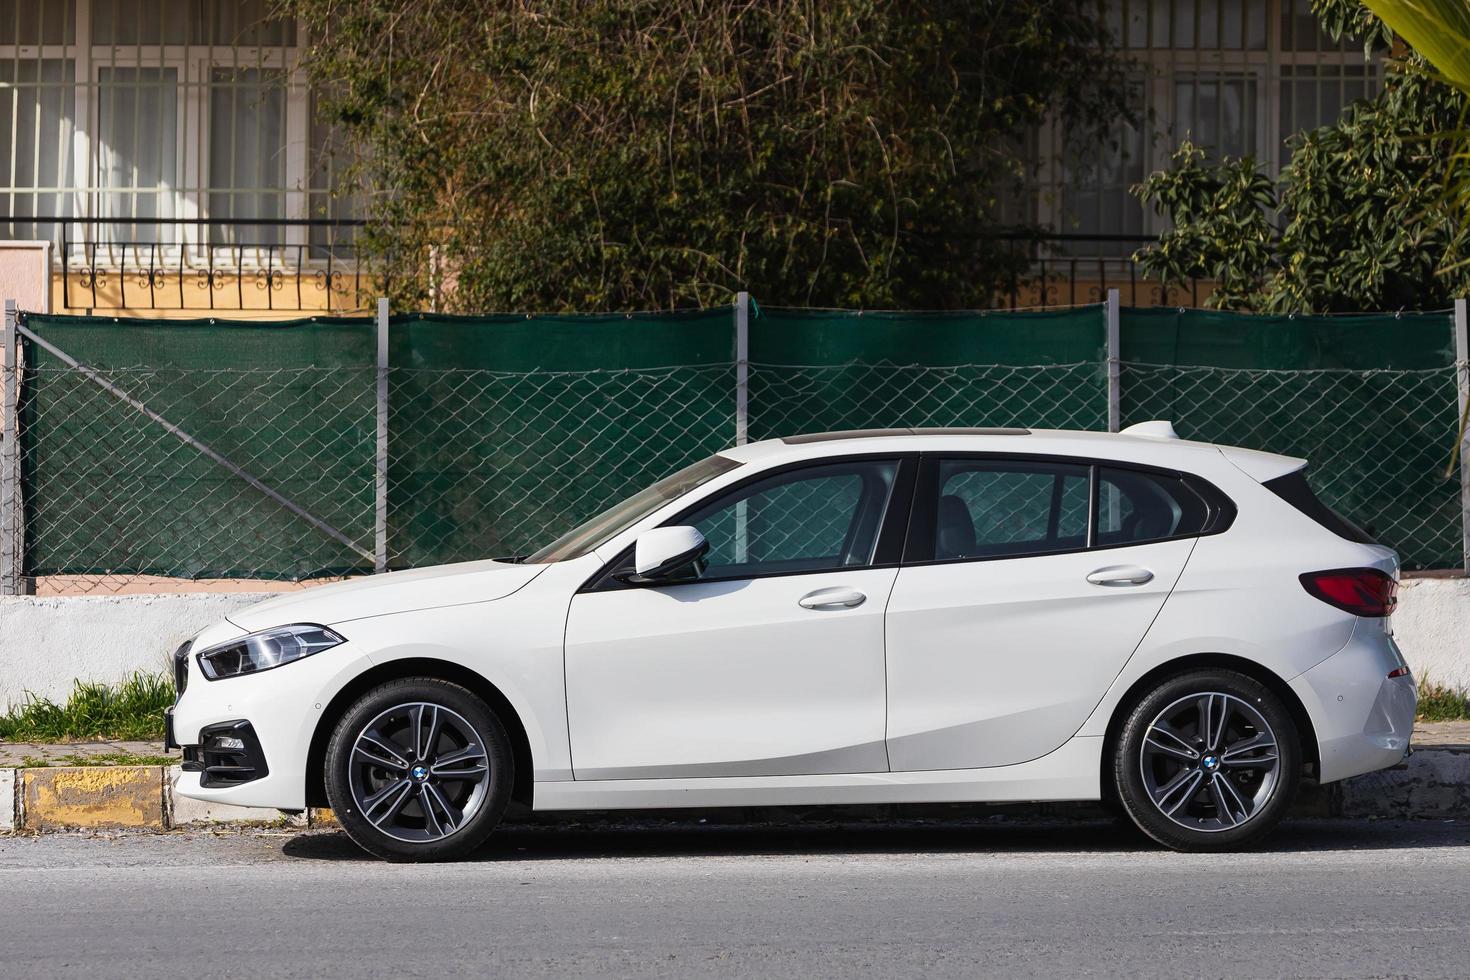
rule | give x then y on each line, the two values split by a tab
1121	575
838	597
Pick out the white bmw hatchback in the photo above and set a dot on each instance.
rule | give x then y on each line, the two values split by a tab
879	616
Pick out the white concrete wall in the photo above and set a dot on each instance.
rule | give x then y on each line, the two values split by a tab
47	643
1432	626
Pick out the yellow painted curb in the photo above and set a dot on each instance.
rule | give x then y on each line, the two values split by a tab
320	816
92	796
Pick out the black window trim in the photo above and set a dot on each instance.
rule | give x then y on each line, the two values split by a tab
888	552
919	543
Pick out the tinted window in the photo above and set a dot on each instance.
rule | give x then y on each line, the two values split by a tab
812	519
613	521
989	508
1134	507
1294	489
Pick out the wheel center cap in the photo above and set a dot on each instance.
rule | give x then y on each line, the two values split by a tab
1210	762
420	773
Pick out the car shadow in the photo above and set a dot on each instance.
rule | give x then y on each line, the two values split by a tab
594	836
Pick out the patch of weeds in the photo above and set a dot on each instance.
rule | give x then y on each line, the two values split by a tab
132	709
1439	702
116	759
100	759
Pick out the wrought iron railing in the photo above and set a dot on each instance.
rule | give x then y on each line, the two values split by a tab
1072	269
210	264
309	264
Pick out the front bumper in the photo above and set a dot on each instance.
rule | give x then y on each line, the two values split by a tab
1364	719
280	709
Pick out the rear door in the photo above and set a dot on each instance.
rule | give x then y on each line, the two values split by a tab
1027	585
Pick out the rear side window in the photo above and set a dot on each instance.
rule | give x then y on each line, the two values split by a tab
1294	489
982	507
989	509
1134	507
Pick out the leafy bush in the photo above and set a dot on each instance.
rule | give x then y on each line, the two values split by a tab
625	154
1357	220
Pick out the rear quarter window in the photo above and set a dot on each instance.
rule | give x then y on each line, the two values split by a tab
1135	507
1295	490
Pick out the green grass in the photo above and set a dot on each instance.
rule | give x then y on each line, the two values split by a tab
1440	703
132	709
100	759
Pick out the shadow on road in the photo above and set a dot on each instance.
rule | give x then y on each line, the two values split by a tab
536	839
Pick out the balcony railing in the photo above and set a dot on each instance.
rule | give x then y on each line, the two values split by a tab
204	264
306	265
1072	269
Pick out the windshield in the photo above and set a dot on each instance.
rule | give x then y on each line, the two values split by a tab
590	534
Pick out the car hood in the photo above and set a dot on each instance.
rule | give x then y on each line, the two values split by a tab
382	595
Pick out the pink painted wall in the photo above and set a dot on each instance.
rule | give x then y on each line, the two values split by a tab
25	274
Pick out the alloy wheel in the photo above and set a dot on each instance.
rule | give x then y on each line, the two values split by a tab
418	772
1210	761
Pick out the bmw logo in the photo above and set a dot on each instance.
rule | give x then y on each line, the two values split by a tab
420	772
1210	762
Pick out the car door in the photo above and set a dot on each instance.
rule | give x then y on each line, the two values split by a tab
1027	585
771	662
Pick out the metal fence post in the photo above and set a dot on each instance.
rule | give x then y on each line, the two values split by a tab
1115	365
742	368
10	532
1462	380
380	463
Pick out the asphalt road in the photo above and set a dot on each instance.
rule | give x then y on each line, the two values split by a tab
959	899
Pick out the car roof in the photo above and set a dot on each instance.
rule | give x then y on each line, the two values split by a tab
1143	446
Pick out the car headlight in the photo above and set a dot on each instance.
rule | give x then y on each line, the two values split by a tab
266	649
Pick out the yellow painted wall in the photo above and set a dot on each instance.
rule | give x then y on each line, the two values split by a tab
251	296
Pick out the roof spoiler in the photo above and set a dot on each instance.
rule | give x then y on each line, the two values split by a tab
1261	466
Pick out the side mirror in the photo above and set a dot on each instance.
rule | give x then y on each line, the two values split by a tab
667	554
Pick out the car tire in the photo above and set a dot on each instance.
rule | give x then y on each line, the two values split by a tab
1209	760
419	769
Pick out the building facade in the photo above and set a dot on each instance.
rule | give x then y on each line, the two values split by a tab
170	152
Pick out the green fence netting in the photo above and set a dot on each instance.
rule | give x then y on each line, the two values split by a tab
1370	401
506	430
107	491
812	371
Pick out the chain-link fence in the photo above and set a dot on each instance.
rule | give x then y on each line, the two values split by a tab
156	456
488	463
1377	441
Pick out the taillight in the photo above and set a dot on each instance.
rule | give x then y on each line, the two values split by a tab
1360	591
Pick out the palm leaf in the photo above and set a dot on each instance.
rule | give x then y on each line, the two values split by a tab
1437	29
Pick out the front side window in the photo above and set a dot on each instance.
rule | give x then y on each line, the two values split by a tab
813	519
996	508
593	533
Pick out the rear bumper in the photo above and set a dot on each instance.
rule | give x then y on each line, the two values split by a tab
1363	718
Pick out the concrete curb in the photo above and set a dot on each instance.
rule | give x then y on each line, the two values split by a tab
118	798
1434	784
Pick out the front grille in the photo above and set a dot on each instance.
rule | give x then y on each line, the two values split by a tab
181	666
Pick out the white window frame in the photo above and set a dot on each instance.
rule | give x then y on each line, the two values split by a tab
195	64
1162	67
